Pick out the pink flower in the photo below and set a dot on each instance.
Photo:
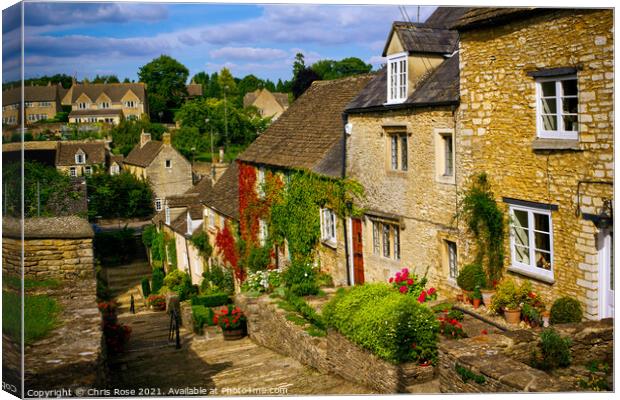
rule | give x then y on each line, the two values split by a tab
409	281
405	271
431	291
403	289
422	297
391	280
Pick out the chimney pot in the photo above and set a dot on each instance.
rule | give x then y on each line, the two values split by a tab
144	138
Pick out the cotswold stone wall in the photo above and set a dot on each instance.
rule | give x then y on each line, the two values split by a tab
65	259
422	202
497	130
501	359
268	326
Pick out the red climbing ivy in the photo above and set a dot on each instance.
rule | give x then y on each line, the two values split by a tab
248	221
225	241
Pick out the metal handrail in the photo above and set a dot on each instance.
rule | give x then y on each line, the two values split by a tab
173	331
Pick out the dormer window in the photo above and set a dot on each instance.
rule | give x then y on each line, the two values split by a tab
104	105
82	106
130	104
397	78
80	158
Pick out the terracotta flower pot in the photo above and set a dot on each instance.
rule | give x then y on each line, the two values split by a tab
545	318
512	317
476	302
233	334
466	297
460	298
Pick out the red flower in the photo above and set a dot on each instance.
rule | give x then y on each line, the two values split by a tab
391	280
484	331
413	345
403	289
409	281
422	297
531	295
431	291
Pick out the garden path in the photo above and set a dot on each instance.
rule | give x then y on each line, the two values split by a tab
210	363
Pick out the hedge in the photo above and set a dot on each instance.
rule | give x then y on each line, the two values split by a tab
394	327
211	300
201	316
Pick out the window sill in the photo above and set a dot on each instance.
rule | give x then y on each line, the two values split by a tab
445	179
397	173
330	243
531	274
555	144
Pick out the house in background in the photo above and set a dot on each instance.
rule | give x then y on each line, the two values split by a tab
80	158
308	136
537	114
268	104
40	102
168	172
106	102
180	219
115	163
401	146
194	90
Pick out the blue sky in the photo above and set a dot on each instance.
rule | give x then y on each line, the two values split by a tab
86	39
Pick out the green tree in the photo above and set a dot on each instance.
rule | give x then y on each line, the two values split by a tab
249	83
126	134
298	65
189	141
202	78
227	82
213	90
303	80
106	79
165	78
330	69
118	196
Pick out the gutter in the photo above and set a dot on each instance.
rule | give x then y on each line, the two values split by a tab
345	119
401	106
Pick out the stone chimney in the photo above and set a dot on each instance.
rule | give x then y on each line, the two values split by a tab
144	138
165	138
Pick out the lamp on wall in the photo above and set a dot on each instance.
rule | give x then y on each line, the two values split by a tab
605	218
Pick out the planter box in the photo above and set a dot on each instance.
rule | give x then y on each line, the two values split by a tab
358	365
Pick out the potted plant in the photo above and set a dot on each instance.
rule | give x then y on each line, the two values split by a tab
469	277
531	315
476	297
488	291
157	302
545	318
232	322
509	298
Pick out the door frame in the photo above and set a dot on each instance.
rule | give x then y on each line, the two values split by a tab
604	244
352	250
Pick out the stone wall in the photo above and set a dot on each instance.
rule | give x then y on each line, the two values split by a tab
268	326
501	359
171	181
497	131
419	200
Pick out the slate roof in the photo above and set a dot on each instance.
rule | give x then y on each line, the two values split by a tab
115	91
95	152
117	158
440	87
31	93
307	134
488	16
420	38
445	17
224	197
143	156
97	112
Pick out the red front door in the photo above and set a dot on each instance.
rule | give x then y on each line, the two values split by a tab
358	254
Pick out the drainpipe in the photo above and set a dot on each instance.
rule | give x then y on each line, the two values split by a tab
345	119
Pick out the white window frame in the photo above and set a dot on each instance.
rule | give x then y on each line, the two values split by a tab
328	226
260	182
167	214
88	170
531	269
452	259
561	133
80	158
168	163
82	106
73	172
441	156
262	232
115	169
211	217
398	85
130	104
398	154
158	204
391	249
104	105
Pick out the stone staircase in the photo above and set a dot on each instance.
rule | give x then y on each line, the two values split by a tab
125	280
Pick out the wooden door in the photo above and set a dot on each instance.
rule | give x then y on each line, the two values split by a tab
358	254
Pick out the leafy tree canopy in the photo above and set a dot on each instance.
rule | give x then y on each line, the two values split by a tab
106	79
118	196
165	78
64	79
303	80
330	69
127	134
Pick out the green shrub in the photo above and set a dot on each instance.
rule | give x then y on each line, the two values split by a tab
530	314
200	240
324	279
259	258
301	279
565	310
146	287
158	280
211	300
148	235
40	316
115	248
442	307
158	247
554	351
217	279
470	276
509	295
456	314
306	311
180	282
394	327
172	253
201	316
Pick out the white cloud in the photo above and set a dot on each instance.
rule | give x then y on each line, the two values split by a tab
248	53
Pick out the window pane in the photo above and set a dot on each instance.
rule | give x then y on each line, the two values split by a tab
386	240
550	122
520	219
396	242
548	88
448	155
543	260
541	222
452	259
570	123
569	87
542	241
548	106
569	105
403	159
522	254
394	140
375	237
521	236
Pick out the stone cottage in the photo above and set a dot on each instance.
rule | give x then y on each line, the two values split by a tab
536	114
79	158
308	136
168	172
40	103
106	102
268	104
401	145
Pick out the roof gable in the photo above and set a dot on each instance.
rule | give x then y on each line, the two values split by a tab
224	196
94	152
144	156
